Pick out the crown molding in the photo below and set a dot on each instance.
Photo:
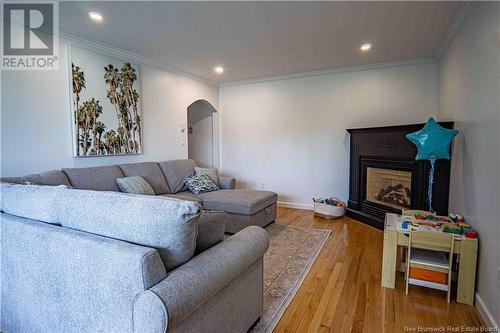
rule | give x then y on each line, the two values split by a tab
457	22
110	49
455	25
407	62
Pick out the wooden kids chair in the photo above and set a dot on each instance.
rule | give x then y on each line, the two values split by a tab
426	252
401	251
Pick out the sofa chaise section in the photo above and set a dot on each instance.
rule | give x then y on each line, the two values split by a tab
244	207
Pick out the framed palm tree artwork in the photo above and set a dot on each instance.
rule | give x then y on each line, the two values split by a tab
105	104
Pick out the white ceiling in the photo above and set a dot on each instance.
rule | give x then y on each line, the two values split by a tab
260	39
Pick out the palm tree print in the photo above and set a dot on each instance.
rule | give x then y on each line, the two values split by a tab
87	119
131	97
99	129
91	135
78	79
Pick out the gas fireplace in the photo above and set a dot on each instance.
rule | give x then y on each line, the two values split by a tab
384	176
389	187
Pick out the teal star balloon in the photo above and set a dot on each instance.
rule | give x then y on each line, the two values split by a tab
433	141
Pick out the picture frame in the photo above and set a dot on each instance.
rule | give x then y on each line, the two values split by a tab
105	96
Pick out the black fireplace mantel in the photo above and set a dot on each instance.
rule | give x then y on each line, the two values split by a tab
388	147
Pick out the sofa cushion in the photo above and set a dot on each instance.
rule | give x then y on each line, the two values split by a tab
30	201
246	202
188	196
168	225
150	171
227	183
210	172
200	184
55	177
175	171
135	185
12	180
96	178
211	227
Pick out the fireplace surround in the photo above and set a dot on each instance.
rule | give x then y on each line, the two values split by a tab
384	176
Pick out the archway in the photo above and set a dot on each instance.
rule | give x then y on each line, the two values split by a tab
200	123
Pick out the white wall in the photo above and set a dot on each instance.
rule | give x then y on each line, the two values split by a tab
469	94
200	139
36	123
290	136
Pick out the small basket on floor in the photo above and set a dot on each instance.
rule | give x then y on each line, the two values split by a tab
326	210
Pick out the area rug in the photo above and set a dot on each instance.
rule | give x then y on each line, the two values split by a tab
291	253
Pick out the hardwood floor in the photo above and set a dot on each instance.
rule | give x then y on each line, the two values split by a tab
342	291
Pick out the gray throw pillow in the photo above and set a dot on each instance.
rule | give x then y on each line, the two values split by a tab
200	184
210	172
135	185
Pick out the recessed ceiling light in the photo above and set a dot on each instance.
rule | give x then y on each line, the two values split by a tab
95	16
219	69
366	47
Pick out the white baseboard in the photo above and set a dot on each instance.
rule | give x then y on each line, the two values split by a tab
485	313
295	205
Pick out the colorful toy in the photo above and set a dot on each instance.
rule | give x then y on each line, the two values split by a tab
463	225
456	218
451	228
469	233
333	201
328	208
428	223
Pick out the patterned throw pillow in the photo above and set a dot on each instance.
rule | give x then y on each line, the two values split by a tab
210	172
134	185
200	184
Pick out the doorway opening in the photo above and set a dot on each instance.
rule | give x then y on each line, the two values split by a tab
200	123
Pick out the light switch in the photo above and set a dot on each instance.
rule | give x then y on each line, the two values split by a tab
182	128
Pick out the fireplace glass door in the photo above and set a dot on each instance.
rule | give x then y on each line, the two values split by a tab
391	188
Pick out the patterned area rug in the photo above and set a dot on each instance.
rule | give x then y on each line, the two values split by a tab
290	256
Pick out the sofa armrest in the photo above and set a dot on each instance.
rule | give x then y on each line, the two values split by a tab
211	227
227	183
189	286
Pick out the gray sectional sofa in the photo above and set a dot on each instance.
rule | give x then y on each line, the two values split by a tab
92	261
244	207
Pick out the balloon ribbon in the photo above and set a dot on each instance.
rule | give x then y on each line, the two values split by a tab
431	183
